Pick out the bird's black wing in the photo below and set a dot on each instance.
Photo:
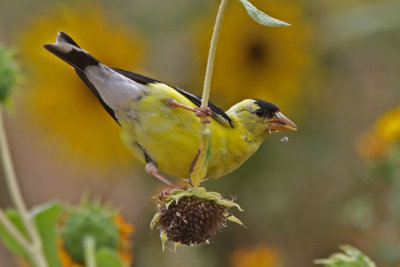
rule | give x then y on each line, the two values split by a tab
94	90
217	113
79	60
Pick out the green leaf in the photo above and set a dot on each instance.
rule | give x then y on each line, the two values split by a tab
235	220
8	73
261	17
164	238
46	217
155	220
8	240
107	258
351	257
200	163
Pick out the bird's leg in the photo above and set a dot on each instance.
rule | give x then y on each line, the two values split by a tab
200	112
151	168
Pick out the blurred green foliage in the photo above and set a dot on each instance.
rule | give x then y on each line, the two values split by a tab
46	218
9	72
351	257
62	241
9	240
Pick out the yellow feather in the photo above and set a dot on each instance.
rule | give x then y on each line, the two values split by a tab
166	136
171	135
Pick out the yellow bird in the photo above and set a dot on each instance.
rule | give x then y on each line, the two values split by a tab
160	123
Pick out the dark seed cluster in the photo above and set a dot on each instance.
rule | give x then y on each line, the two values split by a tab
192	221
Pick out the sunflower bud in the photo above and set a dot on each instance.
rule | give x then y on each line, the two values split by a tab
192	216
105	226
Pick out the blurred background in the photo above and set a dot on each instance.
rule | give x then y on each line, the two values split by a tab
335	73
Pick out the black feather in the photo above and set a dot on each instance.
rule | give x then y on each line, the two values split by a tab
63	37
147	158
96	93
77	58
217	113
80	59
266	109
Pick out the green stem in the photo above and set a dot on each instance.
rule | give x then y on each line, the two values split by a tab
201	162
16	196
14	231
89	244
211	53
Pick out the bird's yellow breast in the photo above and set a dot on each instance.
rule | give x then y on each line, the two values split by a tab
170	135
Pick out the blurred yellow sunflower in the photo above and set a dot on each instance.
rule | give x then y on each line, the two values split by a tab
254	61
385	132
57	103
261	256
388	126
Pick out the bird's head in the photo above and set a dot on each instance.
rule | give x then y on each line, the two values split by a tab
259	118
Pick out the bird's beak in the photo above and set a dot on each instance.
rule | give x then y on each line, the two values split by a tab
281	122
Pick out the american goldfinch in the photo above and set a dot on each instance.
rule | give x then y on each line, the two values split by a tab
160	123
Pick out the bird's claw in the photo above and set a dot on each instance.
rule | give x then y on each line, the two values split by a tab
200	112
164	193
203	112
207	120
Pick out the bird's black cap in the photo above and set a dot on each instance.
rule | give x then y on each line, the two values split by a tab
266	109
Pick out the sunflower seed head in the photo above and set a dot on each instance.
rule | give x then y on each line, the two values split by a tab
192	216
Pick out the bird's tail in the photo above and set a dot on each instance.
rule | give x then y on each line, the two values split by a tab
69	51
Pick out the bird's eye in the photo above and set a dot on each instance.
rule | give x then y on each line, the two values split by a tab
259	112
